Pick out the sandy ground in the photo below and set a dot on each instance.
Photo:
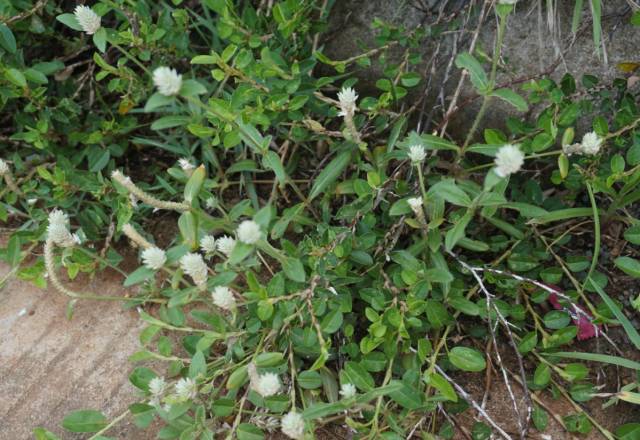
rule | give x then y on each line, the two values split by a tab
50	366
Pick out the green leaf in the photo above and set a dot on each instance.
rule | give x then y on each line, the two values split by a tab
629	431
437	314
140	378
448	190
332	321
310	380
556	319
16	77
478	76
632	234
528	342
359	376
194	184
139	275
43	434
272	161
269	359
69	20
100	39
247	431
441	384
631	331
157	100
85	420
294	270
191	87
542	375
512	98
170	122
628	265
457	231
406	396
330	173
604	358
467	359
7	40
198	366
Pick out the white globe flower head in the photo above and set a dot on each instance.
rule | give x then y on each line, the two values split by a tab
4	167
347	98
186	165
223	297
249	232
509	160
154	258
591	143
347	390
186	389
88	20
157	386
292	425
267	384
225	245
415	203
167	80
211	203
194	266
208	244
416	153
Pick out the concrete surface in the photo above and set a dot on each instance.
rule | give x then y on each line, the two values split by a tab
50	366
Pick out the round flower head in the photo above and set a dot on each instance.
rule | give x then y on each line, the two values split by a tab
58	229
157	385
416	153
208	244
154	258
591	143
415	203
4	167
347	390
347	97
509	160
249	232
223	297
186	389
194	266
267	384
292	425
186	165
211	203
167	80
225	245
88	20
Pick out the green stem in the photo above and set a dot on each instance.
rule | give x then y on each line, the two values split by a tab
596	232
109	426
132	58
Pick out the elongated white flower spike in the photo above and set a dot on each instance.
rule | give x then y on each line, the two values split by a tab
154	258
145	197
88	20
347	98
223	297
347	390
208	244
58	230
225	245
186	389
292	425
4	167
167	80
249	232
509	160
194	266
416	153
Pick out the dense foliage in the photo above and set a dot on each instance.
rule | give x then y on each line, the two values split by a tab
330	264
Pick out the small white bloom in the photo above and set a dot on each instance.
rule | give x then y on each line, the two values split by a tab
32	201
89	21
4	167
194	266
509	160
347	97
249	232
154	258
225	245
186	165
347	390
292	425
223	297
591	143
167	80
415	203
157	385
211	203
208	243
417	153
267	384
58	229
186	389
